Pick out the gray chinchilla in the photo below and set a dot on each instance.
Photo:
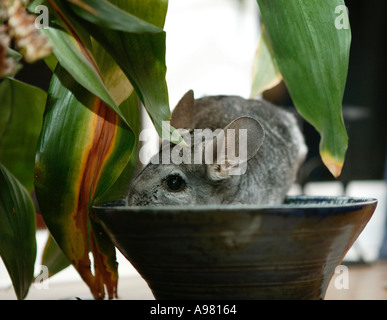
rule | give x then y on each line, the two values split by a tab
211	171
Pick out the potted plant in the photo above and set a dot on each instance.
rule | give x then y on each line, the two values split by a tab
106	57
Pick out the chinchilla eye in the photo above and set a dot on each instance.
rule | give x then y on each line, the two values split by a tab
175	183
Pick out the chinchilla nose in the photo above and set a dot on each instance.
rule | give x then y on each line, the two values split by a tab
132	196
136	199
138	196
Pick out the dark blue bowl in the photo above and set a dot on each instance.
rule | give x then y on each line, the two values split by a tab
288	251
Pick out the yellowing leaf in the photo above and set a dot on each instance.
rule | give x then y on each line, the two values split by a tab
312	56
265	71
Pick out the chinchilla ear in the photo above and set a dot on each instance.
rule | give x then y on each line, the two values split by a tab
232	147
183	112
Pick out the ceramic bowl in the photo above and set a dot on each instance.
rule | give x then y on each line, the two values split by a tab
288	251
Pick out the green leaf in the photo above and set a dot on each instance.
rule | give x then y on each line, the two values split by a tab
51	62
53	257
83	149
265	71
18	137
107	15
17	232
119	189
71	48
140	56
312	56
15	54
115	80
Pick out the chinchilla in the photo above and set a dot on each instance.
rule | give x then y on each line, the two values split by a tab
253	160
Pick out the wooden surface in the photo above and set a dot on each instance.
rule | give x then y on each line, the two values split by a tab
365	282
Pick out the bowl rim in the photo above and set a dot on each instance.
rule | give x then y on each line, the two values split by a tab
311	202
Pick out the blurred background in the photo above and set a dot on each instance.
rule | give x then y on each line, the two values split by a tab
210	49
